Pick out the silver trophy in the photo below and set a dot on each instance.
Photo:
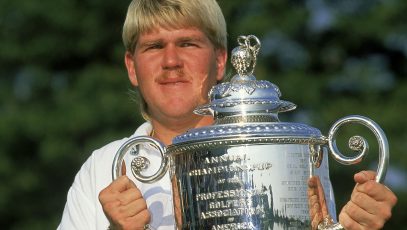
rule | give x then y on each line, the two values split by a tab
249	170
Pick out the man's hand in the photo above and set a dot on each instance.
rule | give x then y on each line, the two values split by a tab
124	205
370	204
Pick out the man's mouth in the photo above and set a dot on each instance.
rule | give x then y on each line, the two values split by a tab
172	81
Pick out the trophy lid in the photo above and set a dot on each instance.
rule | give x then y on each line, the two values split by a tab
246	107
245	96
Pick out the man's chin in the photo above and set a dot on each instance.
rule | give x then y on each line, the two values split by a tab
178	115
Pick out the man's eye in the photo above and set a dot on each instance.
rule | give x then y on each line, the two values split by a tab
152	47
187	44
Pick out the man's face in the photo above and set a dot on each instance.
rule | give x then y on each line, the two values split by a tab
175	69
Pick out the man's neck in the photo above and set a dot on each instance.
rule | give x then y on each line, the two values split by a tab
166	132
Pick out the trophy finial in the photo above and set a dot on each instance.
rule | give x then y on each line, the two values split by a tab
244	56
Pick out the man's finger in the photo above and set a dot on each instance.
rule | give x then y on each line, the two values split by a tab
141	219
134	208
346	221
363	176
121	184
130	195
377	191
365	202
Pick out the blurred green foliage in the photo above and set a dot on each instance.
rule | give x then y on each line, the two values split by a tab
64	89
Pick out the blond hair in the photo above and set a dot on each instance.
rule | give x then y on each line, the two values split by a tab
145	15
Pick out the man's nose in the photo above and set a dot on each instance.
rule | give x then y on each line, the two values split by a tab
171	58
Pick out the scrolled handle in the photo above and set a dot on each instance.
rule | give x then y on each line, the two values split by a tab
359	144
140	162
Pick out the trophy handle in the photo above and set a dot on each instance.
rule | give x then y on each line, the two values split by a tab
360	145
141	163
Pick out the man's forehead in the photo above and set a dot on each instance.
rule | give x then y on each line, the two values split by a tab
167	33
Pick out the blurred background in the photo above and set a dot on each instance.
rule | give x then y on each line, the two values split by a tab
64	90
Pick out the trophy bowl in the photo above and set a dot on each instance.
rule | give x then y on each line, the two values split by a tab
249	170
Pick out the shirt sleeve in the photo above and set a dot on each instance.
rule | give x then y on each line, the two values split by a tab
80	208
78	212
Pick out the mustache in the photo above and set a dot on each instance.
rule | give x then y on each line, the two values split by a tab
174	74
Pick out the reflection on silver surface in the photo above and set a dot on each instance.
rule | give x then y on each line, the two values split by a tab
247	187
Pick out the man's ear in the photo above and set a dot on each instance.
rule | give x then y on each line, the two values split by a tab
129	61
221	59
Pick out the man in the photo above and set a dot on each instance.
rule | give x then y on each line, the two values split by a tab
176	51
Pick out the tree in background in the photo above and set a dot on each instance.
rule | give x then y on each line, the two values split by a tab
64	89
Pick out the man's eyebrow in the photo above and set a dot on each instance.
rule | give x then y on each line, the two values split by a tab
191	38
150	43
153	42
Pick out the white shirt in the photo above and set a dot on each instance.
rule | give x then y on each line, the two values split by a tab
83	209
